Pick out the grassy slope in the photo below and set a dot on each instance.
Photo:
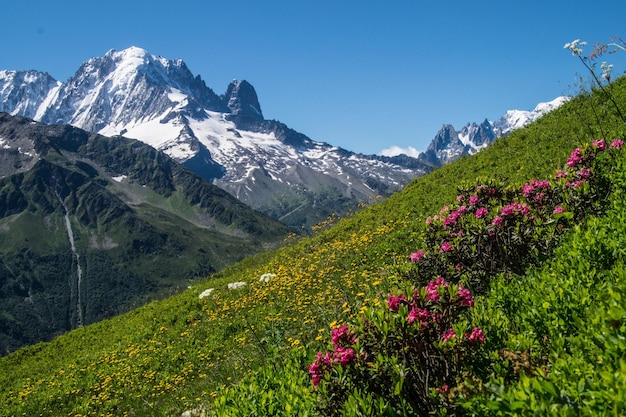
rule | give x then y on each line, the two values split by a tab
174	354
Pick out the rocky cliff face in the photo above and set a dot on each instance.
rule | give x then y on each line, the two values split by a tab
92	226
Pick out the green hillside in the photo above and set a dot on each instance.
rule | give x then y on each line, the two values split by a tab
554	332
142	227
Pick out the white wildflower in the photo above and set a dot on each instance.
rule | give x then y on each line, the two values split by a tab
235	285
206	293
575	47
267	277
196	412
606	70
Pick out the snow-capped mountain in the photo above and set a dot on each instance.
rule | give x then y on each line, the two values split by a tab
515	119
24	92
450	144
225	138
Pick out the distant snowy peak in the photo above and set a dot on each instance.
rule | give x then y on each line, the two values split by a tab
24	93
126	88
516	119
449	144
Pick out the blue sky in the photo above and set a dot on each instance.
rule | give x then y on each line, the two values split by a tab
363	75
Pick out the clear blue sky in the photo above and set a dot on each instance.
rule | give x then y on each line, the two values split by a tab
363	75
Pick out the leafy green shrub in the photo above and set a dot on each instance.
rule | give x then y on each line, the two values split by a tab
280	389
413	357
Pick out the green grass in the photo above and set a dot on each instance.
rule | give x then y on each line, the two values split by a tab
179	354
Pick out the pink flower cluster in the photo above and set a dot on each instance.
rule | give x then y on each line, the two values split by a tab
418	314
497	221
445	247
435	290
342	354
432	289
393	302
481	212
536	189
452	219
599	144
575	158
416	256
514	209
617	144
477	336
465	297
447	335
322	364
342	335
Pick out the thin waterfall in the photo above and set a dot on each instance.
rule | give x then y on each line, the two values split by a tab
79	272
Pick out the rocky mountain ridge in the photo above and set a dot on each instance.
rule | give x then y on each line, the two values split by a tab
225	138
92	226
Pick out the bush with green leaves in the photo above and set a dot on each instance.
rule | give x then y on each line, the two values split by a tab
562	327
414	356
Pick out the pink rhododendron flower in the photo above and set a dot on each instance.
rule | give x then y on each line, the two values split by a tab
599	144
418	314
527	189
535	185
393	302
558	209
448	334
474	200
460	198
451	219
617	144
575	184
465	297
539	197
432	289
481	212
560	174
344	355
513	209
444	389
497	221
416	256
321	365
342	334
477	336
445	247
584	172
575	158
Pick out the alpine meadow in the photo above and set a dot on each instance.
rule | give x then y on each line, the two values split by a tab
492	286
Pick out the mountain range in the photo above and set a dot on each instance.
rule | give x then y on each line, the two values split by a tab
92	226
226	139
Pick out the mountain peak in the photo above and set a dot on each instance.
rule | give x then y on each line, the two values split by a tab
242	100
130	52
